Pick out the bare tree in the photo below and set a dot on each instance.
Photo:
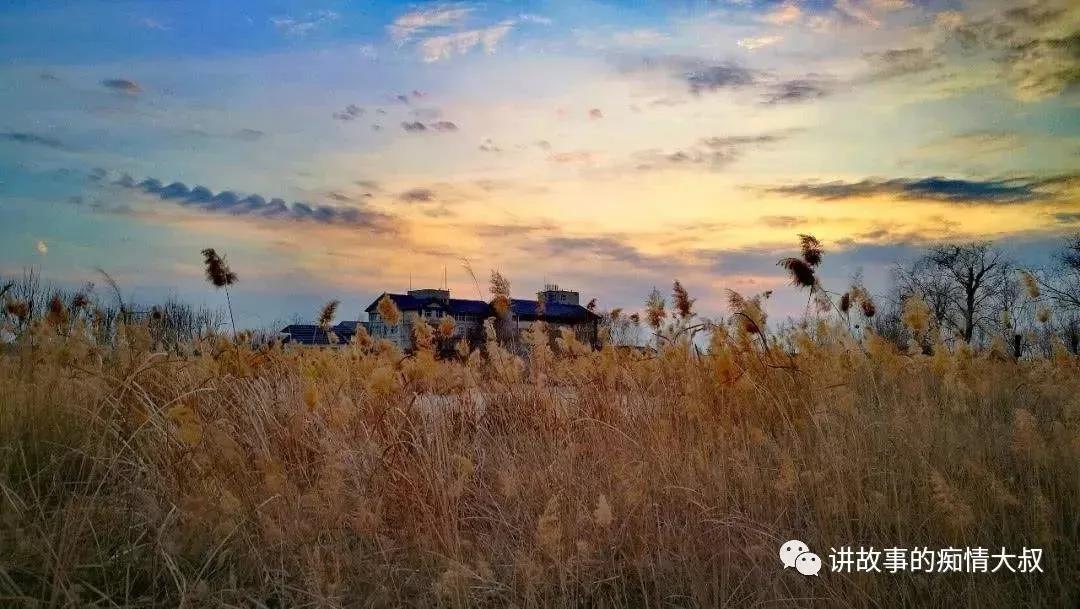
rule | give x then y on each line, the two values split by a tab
958	283
1061	282
622	329
1060	285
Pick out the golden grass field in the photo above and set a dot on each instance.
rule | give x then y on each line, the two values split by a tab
221	475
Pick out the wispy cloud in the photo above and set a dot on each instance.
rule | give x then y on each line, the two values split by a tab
641	37
700	75
710	152
407	25
233	203
439	126
122	85
894	63
537	19
436	48
976	143
948	190
798	90
301	26
349	113
575	157
151	23
786	13
1037	46
33	139
417	195
758	42
605	246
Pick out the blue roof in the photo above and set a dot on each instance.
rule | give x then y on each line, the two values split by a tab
456	306
469	307
311	334
552	310
519	306
348	326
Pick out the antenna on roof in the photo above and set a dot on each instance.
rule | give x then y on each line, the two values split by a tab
410	279
445	286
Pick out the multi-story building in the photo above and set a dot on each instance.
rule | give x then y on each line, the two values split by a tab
560	308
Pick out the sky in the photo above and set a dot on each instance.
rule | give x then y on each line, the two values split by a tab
337	150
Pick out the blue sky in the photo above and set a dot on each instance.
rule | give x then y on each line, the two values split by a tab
347	148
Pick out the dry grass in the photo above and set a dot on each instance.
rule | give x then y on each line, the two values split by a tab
222	476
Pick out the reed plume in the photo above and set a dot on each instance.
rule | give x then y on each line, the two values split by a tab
446	327
218	272
812	251
500	294
801	272
684	305
655	309
327	314
868	307
388	311
57	314
1030	284
220	276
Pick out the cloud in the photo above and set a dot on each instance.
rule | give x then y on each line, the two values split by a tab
710	152
349	113
408	24
122	85
245	135
537	19
489	146
782	221
798	90
894	63
786	13
301	27
230	202
33	139
1035	15
1036	47
745	140
596	114
1045	67
575	157
417	195
440	126
643	37
437	48
516	231
153	24
248	135
857	12
700	76
647	160
609	247
758	42
976	143
727	75
948	190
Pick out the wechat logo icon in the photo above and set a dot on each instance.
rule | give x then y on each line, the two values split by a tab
797	554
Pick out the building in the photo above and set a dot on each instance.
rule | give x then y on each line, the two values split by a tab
314	335
561	309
